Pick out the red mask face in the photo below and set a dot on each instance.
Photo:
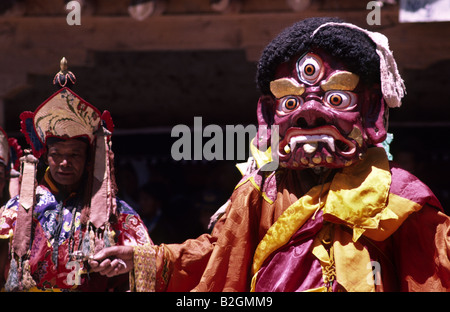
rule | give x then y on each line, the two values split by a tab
326	116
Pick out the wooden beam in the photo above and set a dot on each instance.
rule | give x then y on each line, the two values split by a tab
36	44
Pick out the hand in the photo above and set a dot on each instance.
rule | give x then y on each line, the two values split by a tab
113	261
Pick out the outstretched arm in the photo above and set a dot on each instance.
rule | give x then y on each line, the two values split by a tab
113	261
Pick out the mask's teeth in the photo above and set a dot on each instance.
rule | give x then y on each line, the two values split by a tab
287	149
330	142
317	159
310	143
329	159
310	147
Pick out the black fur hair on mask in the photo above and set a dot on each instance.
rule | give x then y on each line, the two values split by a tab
353	47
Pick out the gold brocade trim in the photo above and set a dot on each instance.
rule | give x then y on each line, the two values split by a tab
144	269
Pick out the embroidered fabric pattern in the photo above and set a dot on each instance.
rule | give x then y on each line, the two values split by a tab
59	232
144	268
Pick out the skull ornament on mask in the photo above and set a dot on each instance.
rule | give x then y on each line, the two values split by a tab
326	116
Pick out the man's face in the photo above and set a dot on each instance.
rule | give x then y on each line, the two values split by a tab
320	108
67	160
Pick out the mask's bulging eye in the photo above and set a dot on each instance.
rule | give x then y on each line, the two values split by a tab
310	68
340	99
288	104
291	103
335	99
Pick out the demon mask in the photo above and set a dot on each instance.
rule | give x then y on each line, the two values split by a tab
329	107
326	116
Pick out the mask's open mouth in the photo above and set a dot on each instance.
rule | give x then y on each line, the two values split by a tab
310	139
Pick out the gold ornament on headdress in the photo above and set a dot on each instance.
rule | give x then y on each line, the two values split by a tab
64	78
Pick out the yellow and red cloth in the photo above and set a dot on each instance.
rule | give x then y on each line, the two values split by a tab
370	212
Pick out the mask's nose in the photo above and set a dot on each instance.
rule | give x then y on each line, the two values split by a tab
313	113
